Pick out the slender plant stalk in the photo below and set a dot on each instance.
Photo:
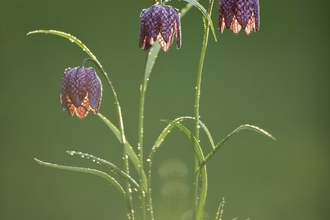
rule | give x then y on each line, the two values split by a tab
140	146
147	183
200	194
143	182
123	140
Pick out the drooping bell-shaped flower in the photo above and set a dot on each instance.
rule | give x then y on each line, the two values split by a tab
159	22
237	14
81	91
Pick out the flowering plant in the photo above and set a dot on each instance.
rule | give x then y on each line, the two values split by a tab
82	91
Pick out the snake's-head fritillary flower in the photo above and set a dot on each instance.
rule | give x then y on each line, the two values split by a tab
159	22
81	91
237	14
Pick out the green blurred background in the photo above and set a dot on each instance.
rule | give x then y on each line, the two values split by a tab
277	79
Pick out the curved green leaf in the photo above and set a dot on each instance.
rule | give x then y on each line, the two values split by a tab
93	172
184	10
206	15
110	165
169	127
112	127
197	5
157	144
151	58
220	209
134	158
167	130
203	173
221	143
191	138
207	133
71	38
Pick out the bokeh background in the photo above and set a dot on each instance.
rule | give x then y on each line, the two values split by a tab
277	79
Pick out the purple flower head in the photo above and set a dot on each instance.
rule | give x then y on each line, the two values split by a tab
237	14
159	23
81	91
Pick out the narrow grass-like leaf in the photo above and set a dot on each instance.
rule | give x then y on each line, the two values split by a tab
150	61
117	133
151	58
157	144
112	127
93	172
207	132
205	14
71	38
110	165
220	209
198	6
191	138
201	124
169	127
221	143
167	130
203	173
134	158
184	10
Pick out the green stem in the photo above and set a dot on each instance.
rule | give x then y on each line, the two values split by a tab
140	146
200	195
128	186
123	138
144	182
